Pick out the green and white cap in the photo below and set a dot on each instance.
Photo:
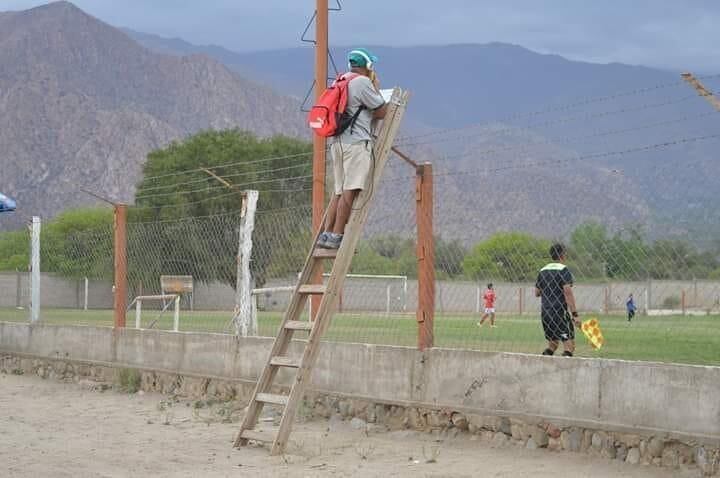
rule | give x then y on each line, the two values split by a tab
360	57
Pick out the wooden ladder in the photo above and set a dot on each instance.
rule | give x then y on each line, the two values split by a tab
314	264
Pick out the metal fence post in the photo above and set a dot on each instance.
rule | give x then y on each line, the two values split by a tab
425	256
120	279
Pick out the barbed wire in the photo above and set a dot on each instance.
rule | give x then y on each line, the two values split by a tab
235	212
566	120
571	139
221	186
226	176
227	165
553	109
606	154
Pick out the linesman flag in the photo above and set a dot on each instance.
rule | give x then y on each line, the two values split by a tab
591	329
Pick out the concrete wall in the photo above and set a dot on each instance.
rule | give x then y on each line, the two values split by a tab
370	295
676	400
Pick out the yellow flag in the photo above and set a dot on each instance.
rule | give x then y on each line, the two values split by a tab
591	329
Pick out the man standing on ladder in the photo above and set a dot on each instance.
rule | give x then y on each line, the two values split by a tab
352	149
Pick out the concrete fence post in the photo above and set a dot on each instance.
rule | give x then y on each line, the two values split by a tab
35	269
18	289
245	320
120	276
521	297
87	288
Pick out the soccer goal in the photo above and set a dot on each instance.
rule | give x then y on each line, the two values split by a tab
374	293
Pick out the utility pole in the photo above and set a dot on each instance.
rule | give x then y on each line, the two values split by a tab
319	143
702	91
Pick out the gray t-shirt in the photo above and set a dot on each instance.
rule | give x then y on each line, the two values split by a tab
361	92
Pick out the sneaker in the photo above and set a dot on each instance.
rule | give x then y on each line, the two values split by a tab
333	241
493	325
480	324
322	239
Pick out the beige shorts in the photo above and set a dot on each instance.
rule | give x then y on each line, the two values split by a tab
351	165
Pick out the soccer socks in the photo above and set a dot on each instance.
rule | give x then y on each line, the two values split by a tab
550	351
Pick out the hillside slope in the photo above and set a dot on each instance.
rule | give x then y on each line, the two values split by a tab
81	105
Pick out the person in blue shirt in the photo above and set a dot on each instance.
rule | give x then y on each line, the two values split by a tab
631	308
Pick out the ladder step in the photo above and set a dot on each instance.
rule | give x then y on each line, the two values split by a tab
298	325
273	398
320	253
312	289
285	362
265	435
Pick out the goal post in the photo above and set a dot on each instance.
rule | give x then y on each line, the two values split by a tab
401	281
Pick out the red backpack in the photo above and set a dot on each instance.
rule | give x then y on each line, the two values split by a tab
328	116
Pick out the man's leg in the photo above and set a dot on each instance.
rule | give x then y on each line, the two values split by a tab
482	319
331	214
569	348
492	319
344	208
551	348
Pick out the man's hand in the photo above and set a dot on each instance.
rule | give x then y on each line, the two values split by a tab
374	79
576	319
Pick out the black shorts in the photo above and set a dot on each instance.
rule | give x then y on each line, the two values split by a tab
631	314
557	325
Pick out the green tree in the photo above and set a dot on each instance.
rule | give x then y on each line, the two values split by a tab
391	255
449	256
14	251
508	256
589	251
176	186
77	243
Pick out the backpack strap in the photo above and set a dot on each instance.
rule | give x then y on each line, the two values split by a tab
349	76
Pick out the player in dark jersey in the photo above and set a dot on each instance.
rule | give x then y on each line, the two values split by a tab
558	310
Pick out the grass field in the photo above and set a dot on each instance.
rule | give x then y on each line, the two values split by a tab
691	339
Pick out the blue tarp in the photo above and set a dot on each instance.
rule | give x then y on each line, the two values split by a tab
6	204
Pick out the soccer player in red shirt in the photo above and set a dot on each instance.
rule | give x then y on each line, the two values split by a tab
489	298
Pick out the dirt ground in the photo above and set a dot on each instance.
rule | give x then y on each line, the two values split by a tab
49	428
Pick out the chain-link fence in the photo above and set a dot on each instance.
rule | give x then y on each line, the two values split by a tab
647	269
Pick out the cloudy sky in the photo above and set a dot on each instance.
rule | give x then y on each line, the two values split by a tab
662	33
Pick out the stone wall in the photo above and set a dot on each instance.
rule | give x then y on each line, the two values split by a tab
494	430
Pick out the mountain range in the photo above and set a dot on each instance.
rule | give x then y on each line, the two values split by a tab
519	140
81	105
595	141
